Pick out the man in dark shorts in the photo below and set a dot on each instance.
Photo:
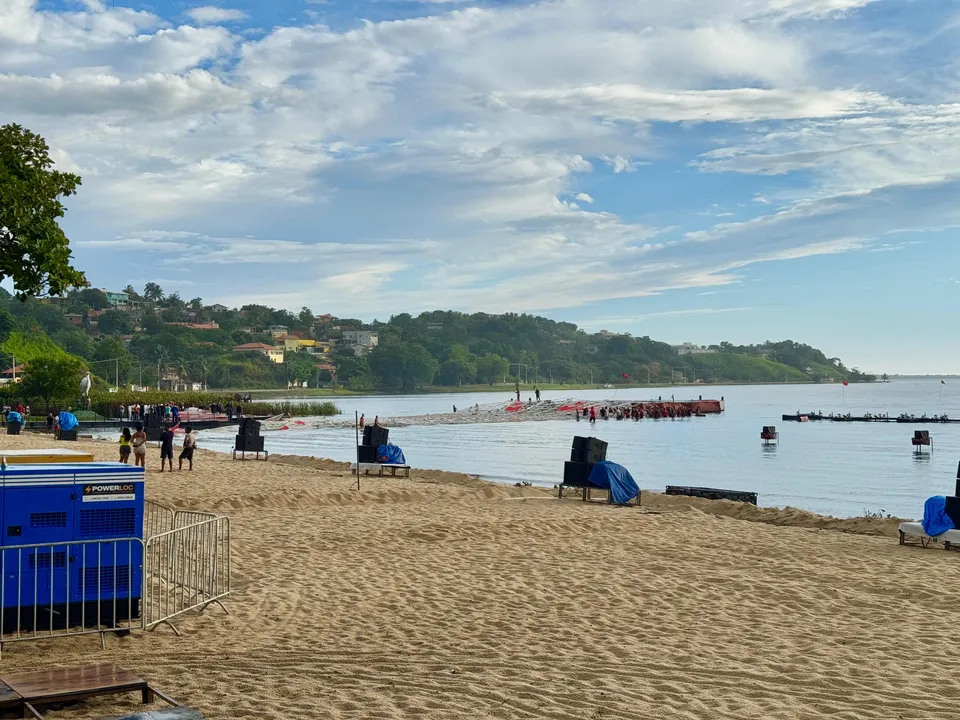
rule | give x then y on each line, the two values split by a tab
189	444
166	447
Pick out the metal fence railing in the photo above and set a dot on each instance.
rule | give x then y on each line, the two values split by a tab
98	586
157	518
71	588
187	568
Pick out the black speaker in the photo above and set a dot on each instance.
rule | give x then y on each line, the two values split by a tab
575	474
151	420
953	510
249	427
588	450
153	432
375	435
249	443
367	454
68	434
13	427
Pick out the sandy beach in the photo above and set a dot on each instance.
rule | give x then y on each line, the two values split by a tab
444	596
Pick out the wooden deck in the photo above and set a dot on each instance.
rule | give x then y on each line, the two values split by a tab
26	691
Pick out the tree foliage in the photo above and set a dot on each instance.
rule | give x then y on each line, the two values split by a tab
53	379
34	251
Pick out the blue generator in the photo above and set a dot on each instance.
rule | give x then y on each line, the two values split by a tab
82	524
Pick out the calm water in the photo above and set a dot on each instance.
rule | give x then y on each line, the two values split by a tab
835	468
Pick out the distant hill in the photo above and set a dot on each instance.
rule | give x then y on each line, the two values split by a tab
141	334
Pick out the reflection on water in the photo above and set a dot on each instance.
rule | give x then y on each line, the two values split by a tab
836	468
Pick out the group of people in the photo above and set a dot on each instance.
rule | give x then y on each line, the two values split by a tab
24	411
639	411
136	443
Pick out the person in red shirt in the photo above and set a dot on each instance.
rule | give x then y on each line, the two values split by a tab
593	414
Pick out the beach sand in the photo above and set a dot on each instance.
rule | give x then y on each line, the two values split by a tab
446	597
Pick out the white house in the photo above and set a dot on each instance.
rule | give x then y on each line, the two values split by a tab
363	338
689	348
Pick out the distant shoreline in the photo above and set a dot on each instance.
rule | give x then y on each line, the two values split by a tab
510	388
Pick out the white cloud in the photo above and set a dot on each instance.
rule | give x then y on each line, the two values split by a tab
435	161
210	14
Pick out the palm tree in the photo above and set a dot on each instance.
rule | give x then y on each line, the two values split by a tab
153	292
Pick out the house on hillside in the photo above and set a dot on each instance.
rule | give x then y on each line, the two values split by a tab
291	343
93	318
197	325
218	308
689	348
11	375
366	338
117	300
274	354
319	348
277	330
323	319
74	319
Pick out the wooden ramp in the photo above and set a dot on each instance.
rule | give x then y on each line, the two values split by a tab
25	692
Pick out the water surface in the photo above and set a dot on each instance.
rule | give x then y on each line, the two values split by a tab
835	468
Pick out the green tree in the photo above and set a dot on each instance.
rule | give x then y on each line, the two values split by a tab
460	367
34	251
491	368
8	323
153	292
53	379
299	367
114	322
403	366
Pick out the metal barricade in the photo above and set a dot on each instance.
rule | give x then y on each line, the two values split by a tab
70	588
157	518
183	518
187	568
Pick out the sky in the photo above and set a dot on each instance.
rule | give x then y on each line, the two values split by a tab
691	170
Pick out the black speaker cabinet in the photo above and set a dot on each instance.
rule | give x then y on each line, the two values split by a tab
153	432
249	443
68	434
588	450
575	474
367	453
375	435
953	509
250	427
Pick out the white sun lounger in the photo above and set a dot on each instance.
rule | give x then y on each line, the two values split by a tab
915	529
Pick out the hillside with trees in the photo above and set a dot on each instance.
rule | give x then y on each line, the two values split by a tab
157	337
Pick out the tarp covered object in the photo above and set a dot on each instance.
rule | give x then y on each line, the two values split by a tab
391	455
935	518
615	478
14	416
67	421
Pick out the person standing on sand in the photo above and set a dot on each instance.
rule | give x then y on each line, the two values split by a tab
139	443
166	447
454	408
361	422
536	393
125	444
189	445
376	421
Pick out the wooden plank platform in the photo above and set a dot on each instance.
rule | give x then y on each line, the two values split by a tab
72	684
9	698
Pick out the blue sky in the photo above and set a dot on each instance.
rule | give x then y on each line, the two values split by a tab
693	170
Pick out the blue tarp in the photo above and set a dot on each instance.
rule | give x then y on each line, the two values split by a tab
615	478
67	421
935	518
14	416
391	455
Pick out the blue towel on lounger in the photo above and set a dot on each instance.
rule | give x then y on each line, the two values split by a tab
935	519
